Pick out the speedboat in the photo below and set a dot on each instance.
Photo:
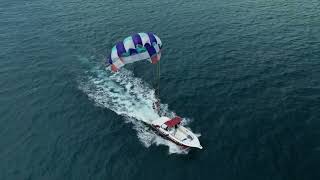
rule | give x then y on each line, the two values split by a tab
174	131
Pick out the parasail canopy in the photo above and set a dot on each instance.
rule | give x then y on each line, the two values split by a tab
138	47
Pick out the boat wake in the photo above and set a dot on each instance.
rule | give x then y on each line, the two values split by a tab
131	98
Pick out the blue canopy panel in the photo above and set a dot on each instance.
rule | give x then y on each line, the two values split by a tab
120	48
133	51
152	38
151	50
136	40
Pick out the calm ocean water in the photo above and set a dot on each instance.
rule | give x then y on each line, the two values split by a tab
245	75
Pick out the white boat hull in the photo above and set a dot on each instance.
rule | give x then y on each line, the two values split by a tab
179	135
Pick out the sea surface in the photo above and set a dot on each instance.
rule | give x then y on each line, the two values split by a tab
244	75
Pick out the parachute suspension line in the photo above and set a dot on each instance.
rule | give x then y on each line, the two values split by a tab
157	87
158	76
155	83
156	80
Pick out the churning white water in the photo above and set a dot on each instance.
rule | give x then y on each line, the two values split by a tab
129	97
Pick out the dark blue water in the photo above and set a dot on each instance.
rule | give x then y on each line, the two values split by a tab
244	74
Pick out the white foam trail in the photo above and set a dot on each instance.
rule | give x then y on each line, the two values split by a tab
130	97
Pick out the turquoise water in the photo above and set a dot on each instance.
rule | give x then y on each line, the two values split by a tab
245	75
